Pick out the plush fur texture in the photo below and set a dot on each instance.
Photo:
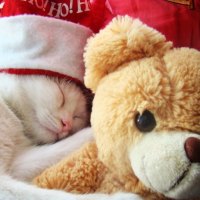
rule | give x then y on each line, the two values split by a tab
133	71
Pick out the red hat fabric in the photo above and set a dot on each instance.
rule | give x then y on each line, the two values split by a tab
89	13
47	35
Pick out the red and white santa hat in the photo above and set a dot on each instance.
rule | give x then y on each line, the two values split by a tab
46	36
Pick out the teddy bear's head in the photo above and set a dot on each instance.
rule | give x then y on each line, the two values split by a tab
146	109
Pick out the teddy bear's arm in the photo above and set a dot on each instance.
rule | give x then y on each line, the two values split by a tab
82	172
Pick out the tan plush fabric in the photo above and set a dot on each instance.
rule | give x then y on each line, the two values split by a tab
82	172
132	68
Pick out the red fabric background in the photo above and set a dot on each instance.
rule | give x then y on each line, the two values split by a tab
92	18
177	22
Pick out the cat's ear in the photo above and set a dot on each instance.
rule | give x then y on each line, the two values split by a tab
123	40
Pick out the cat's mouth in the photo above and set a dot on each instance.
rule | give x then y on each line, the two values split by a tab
58	135
54	132
51	131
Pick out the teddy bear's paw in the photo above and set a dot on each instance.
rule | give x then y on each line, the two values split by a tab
116	196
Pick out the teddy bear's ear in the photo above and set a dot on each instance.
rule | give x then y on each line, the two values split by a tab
123	40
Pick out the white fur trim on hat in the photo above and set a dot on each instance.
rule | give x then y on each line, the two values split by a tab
38	42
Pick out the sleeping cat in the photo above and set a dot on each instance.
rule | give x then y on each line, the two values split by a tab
36	114
38	110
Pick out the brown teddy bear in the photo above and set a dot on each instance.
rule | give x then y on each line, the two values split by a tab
145	118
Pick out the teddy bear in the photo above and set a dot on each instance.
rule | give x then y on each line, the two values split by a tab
145	117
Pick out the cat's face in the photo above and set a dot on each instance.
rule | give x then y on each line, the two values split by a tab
57	109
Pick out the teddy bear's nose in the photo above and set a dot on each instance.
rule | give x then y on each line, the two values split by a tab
192	149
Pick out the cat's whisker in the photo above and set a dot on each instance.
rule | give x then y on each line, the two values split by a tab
53	122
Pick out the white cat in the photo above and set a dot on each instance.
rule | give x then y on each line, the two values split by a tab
35	114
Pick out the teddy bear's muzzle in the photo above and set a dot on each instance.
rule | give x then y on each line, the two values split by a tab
168	163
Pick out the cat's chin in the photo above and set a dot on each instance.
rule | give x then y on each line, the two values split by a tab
52	135
56	136
46	134
42	135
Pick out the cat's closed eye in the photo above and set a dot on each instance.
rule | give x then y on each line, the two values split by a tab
78	117
61	98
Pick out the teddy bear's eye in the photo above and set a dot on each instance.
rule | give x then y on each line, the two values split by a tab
145	122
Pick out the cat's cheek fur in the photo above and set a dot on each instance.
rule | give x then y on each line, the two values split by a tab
80	123
40	135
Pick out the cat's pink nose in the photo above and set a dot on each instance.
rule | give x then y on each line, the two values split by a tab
67	126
